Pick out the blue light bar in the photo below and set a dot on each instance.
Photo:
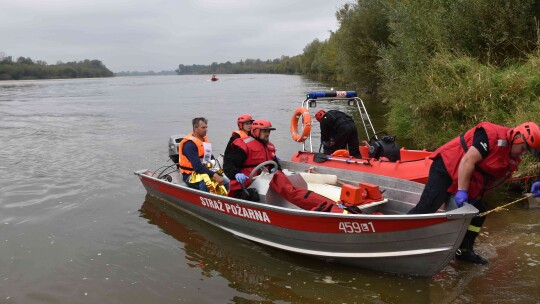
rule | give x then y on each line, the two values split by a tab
337	94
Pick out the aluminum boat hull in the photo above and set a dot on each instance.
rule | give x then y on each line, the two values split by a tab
394	242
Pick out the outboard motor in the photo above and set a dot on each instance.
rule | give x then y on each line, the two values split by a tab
385	147
174	140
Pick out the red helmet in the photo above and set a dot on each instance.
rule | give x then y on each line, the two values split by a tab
260	124
530	134
242	119
320	115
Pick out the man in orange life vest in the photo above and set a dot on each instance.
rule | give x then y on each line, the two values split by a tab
247	153
194	151
472	163
245	122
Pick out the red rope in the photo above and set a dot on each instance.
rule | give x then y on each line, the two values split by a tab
521	178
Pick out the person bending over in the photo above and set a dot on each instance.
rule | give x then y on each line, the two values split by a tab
338	131
472	163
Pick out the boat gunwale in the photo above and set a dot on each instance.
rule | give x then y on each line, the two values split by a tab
465	212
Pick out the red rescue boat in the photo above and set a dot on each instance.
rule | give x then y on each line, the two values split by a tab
214	78
414	165
411	165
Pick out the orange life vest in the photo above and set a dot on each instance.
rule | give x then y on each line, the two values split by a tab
241	133
256	153
185	165
497	166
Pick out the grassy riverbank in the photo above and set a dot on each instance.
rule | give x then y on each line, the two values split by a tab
453	93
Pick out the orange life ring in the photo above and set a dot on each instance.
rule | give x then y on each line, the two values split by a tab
306	124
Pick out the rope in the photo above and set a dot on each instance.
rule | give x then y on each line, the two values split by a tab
513	179
501	208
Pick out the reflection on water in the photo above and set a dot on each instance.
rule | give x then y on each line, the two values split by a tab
273	275
217	253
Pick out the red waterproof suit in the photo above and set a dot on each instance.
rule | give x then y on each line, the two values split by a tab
256	153
303	198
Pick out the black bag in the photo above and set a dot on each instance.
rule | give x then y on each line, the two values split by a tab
250	194
386	147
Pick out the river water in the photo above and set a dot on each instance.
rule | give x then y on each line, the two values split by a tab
76	225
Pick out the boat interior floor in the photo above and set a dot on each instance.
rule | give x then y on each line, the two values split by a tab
326	185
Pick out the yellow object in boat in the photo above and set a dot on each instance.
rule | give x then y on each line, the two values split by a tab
212	186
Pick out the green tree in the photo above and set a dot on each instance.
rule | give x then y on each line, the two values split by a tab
363	31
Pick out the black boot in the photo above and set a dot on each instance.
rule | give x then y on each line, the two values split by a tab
469	255
466	252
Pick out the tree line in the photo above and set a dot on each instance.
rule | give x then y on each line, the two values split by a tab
148	73
283	65
25	68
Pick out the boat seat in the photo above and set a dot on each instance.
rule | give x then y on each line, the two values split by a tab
318	183
323	184
330	191
269	196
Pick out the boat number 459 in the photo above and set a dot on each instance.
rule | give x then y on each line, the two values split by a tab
355	227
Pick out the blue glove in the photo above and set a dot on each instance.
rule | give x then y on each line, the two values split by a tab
535	189
241	178
462	196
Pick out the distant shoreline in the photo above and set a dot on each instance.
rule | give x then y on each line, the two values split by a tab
148	73
27	69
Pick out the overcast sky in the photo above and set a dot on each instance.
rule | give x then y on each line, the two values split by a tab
143	35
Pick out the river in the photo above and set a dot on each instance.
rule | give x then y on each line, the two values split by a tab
76	225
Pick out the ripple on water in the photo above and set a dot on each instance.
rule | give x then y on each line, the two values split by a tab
56	162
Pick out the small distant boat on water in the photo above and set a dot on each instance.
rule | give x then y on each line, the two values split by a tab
214	78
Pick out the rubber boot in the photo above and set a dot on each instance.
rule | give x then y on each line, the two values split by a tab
466	252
